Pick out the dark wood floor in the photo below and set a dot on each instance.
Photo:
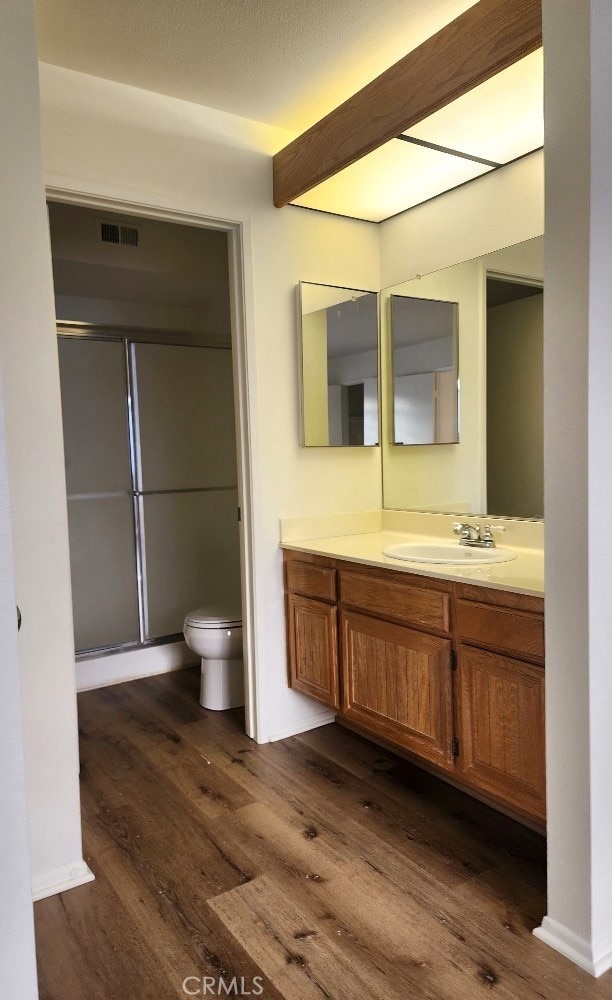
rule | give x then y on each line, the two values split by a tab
327	867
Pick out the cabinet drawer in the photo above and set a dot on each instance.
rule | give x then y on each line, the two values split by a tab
501	628
311	580
396	599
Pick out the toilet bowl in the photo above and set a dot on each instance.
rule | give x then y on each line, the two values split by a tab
216	636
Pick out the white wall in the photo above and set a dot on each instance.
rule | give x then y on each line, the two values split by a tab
175	279
190	320
497	210
28	356
578	478
17	952
430	356
104	139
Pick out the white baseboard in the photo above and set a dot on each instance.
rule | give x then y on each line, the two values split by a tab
304	724
101	671
61	879
577	949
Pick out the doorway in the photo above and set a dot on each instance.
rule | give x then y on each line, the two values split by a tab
515	397
153	385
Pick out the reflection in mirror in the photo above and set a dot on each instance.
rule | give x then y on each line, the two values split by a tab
496	466
515	385
424	362
339	348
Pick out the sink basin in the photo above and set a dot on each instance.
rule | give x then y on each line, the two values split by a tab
447	552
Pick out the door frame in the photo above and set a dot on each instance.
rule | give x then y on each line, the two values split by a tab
244	438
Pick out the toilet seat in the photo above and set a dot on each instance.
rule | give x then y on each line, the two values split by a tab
211	618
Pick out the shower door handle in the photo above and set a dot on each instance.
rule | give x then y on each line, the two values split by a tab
18	618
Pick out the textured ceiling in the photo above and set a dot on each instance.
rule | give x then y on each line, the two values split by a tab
284	62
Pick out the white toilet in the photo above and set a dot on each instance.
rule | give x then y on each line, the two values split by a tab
216	636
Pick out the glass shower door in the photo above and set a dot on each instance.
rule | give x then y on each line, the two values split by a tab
99	487
185	481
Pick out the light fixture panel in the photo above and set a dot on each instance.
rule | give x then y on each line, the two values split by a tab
500	120
392	178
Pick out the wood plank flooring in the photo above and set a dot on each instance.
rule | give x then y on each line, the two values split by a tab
325	866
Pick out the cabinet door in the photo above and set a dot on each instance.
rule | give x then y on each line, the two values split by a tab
313	649
397	684
502	729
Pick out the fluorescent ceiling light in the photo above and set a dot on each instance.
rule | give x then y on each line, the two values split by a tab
389	180
499	120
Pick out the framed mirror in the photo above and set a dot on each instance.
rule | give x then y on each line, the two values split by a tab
496	465
424	370
339	366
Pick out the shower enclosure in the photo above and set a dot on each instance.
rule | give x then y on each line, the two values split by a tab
150	451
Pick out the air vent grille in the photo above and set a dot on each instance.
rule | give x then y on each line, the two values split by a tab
129	236
111	232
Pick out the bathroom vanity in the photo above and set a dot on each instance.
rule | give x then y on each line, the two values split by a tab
447	672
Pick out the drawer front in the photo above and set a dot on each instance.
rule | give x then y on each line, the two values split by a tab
500	598
501	628
399	600
311	580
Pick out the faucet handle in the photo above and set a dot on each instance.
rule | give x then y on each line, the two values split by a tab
463	528
467	532
487	535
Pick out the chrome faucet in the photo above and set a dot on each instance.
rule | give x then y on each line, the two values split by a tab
469	534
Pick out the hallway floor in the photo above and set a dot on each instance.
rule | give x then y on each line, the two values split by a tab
321	864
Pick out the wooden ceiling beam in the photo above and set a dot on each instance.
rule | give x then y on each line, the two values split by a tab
487	38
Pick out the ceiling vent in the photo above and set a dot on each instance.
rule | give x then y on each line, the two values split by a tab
111	232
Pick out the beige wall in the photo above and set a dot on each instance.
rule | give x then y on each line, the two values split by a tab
498	210
105	140
515	390
28	357
578	478
17	947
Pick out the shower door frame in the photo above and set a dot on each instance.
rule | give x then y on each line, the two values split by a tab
240	290
128	338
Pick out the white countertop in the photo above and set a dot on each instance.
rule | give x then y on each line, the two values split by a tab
523	575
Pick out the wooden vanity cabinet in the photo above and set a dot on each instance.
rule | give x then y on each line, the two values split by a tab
450	673
312	629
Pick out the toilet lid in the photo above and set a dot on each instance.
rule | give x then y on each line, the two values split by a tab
212	617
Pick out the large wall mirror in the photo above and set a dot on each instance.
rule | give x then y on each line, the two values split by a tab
339	366
490	310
